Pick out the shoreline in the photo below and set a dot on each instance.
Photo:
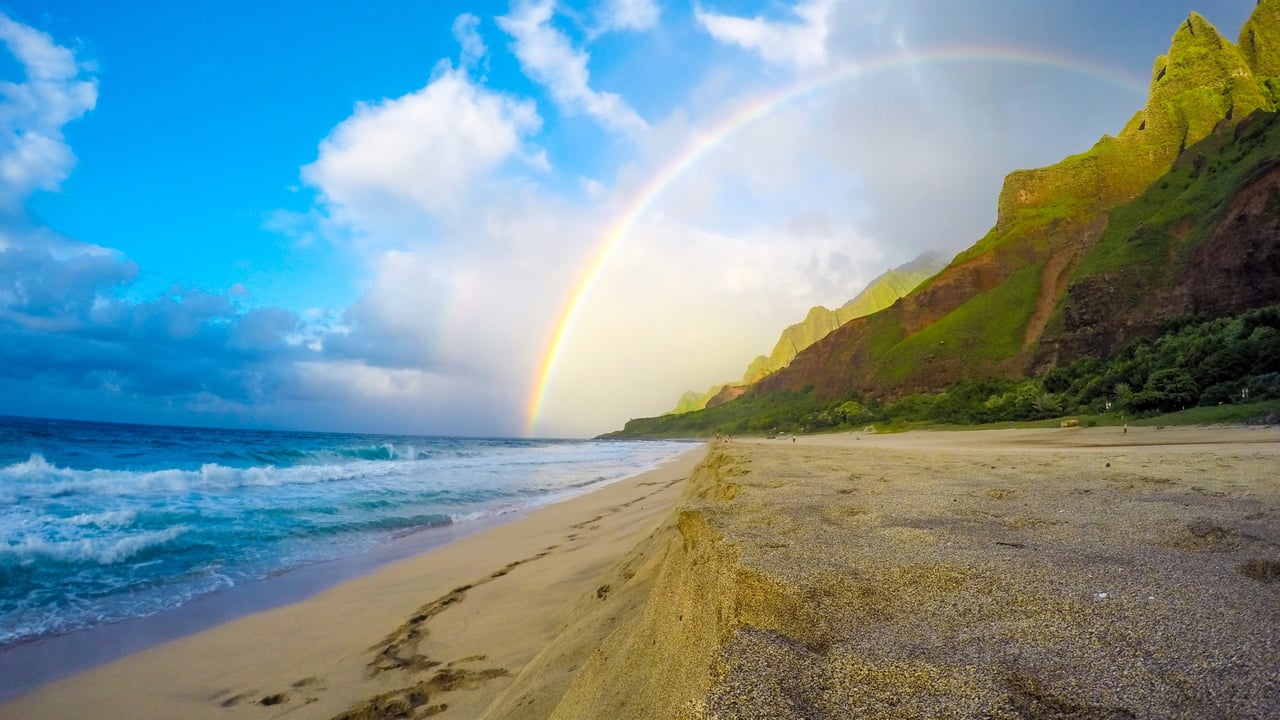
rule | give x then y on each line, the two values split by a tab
43	675
29	664
953	574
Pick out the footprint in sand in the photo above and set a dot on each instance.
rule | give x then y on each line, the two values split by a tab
310	684
233	700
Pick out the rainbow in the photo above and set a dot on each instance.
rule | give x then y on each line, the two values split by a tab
744	115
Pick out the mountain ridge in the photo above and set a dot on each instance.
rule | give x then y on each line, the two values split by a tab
881	292
1174	220
987	312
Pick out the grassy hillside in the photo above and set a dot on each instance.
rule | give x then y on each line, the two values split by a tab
1222	370
880	293
884	291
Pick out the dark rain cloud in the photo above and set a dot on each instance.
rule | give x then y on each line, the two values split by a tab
64	321
74	342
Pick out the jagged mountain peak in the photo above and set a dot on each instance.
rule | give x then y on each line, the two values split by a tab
1202	80
1201	61
1260	39
1176	216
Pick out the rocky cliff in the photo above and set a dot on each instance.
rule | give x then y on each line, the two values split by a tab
1203	242
1173	214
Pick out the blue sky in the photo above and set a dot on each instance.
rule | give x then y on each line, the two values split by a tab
370	216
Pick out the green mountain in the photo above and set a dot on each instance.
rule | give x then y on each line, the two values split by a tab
1019	299
1176	216
821	322
880	293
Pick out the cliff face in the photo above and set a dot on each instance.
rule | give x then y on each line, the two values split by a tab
1038	289
1204	242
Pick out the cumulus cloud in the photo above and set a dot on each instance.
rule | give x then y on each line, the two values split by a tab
431	192
57	89
461	306
548	57
421	152
473	243
74	337
801	43
438	194
457	318
434	190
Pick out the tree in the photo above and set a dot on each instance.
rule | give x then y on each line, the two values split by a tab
1167	390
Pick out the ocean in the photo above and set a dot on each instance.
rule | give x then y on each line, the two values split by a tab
104	522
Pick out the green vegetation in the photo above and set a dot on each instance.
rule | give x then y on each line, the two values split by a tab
1176	213
820	322
1231	414
1260	42
1192	122
1222	370
691	400
1002	313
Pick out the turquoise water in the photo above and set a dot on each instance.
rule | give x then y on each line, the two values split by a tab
103	522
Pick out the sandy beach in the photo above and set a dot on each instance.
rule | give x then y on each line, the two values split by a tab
451	627
1076	573
1081	573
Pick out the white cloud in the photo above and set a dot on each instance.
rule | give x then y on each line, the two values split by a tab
420	152
548	58
593	189
784	213
799	44
57	90
469	305
473	47
680	308
462	316
627	15
467	259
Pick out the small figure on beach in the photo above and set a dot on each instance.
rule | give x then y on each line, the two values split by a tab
1125	431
